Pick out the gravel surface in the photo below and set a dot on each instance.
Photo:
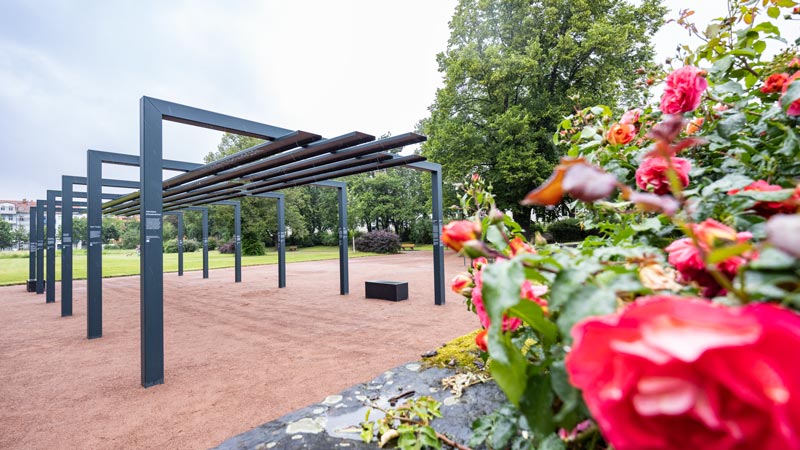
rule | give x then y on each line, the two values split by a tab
236	355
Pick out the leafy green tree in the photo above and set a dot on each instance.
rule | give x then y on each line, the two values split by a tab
514	68
20	235
389	199
130	234
259	215
6	234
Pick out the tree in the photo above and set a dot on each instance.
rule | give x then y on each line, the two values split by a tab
19	236
514	68
392	198
6	234
259	215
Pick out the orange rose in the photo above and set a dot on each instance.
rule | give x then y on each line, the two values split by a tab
456	233
621	133
695	125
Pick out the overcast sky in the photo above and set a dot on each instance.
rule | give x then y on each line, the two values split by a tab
72	72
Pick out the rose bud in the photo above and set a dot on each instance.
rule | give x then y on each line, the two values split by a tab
456	233
461	283
481	341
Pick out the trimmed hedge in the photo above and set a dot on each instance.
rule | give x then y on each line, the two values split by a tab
379	242
189	245
569	230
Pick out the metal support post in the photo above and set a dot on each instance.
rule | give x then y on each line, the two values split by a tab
66	246
152	246
40	247
205	242
344	275
180	244
280	239
94	250
237	232
438	250
281	244
32	244
436	219
50	291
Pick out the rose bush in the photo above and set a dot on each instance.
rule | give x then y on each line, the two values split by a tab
670	327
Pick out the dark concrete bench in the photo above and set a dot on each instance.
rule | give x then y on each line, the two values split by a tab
387	290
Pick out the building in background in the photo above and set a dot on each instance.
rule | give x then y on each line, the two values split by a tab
17	213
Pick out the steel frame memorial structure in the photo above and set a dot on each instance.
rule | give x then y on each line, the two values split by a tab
287	158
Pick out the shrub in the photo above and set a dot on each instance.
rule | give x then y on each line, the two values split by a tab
422	231
329	239
111	247
568	230
253	247
213	242
379	242
189	245
228	247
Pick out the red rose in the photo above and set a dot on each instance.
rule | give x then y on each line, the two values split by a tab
456	233
774	83
685	255
653	173
675	373
794	108
481	341
621	133
769	209
461	283
683	91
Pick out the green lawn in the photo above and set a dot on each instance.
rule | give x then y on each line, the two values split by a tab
14	265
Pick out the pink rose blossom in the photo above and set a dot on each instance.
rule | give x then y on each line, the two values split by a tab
684	90
652	173
671	373
631	117
686	257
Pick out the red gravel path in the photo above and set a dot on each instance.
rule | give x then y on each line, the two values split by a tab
236	355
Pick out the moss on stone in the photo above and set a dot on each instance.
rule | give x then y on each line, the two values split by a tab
460	354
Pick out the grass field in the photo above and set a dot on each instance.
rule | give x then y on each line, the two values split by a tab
14	265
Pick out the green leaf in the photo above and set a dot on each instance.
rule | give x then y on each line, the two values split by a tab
791	94
552	442
772	259
567	282
589	301
774	12
653	223
588	132
727	183
495	236
731	125
537	405
566	124
532	314
507	366
559	379
767	27
767	196
721	65
791	144
720	254
504	430
501	287
427	437
729	87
